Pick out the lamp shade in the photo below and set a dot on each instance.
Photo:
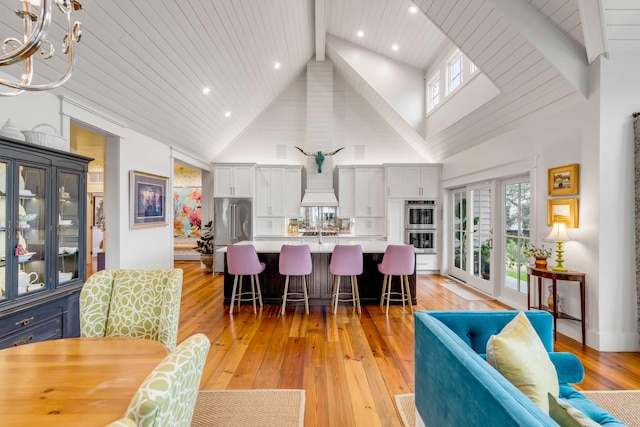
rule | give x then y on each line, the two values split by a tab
559	232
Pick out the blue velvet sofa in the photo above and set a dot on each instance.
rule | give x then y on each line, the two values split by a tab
456	387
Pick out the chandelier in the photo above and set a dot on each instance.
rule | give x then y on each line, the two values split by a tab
35	28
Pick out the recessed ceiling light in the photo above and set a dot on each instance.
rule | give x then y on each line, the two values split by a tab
413	9
394	47
276	65
360	33
206	90
227	114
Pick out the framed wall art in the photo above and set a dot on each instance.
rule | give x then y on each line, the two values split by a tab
563	210
98	210
563	180
148	207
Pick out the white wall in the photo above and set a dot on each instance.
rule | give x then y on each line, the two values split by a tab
563	135
358	127
33	108
620	97
144	247
401	85
139	248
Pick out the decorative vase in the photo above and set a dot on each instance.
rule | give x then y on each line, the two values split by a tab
541	262
550	297
207	260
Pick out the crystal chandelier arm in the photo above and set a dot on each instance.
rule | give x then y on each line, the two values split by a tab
34	40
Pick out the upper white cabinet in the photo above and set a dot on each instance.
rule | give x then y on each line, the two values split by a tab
413	182
292	191
278	191
233	180
346	192
269	191
369	192
395	181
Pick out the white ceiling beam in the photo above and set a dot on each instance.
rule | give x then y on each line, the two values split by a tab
321	29
564	54
593	28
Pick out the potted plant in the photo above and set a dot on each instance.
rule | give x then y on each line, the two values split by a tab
540	253
205	246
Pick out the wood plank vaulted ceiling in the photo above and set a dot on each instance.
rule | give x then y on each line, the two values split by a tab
145	62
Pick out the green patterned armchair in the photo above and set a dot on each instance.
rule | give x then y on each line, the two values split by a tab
167	397
132	303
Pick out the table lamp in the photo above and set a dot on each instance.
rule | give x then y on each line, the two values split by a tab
559	235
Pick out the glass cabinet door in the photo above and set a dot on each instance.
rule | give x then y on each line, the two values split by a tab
3	229
31	230
69	222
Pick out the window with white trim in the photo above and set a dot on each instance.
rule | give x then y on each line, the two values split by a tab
454	71
433	94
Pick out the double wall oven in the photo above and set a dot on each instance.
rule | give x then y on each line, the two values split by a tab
420	224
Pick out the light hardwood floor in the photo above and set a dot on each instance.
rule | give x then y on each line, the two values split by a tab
350	366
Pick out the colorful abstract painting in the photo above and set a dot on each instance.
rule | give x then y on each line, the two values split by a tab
187	211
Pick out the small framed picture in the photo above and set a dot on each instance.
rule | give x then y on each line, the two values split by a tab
563	210
98	210
148	206
563	180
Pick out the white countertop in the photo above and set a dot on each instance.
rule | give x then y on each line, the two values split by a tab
273	246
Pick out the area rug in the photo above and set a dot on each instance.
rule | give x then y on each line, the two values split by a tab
265	408
623	404
464	292
406	406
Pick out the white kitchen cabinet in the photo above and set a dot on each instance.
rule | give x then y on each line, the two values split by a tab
395	219
292	192
395	181
370	227
369	192
278	191
270	227
427	264
269	192
413	182
233	180
346	193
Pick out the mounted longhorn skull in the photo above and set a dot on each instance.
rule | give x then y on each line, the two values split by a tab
319	156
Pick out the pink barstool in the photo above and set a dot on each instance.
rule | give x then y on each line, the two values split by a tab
242	260
398	260
295	260
346	260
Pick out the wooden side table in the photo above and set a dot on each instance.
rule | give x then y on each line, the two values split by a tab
569	276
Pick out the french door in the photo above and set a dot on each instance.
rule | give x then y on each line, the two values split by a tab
516	197
472	236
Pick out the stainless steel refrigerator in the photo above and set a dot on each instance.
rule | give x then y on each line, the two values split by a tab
232	224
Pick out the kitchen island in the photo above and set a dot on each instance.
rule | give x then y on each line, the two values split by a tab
320	282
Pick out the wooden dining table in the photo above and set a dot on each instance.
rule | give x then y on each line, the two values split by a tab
74	381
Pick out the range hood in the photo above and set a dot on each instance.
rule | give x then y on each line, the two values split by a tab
319	198
319	188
